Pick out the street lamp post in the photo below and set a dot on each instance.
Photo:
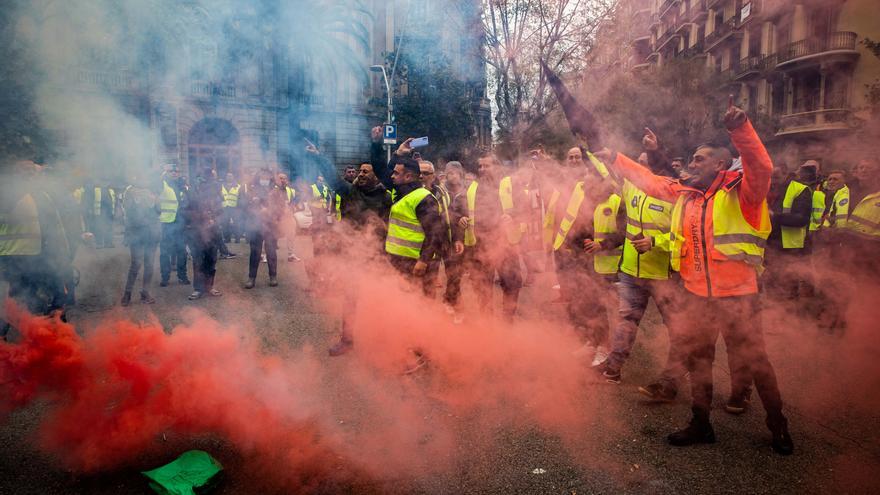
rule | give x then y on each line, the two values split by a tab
381	68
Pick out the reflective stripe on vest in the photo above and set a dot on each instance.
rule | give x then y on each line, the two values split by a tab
405	233
470	238
230	196
96	206
548	227
443	201
733	236
864	220
839	210
650	217
571	214
513	231
338	207
792	237
168	204
320	196
818	210
20	233
605	224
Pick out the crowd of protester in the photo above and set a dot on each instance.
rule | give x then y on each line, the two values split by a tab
706	238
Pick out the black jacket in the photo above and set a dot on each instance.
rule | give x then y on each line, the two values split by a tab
798	216
428	213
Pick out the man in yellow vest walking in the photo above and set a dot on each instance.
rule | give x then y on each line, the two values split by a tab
791	203
587	249
494	231
172	246
720	224
34	247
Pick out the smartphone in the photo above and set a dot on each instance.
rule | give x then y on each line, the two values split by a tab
419	142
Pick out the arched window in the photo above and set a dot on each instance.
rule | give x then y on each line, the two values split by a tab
214	144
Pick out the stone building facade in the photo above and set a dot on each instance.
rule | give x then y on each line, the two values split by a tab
800	62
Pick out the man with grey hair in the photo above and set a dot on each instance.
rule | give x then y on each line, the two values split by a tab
450	245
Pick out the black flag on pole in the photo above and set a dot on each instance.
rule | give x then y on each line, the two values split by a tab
580	120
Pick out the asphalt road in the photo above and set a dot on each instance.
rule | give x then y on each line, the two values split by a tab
837	446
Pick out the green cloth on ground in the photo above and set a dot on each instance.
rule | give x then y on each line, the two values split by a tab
193	470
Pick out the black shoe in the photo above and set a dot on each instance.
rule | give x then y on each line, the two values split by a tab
146	298
236	241
273	282
340	348
658	392
781	442
126	299
163	283
737	404
250	283
698	431
184	281
608	373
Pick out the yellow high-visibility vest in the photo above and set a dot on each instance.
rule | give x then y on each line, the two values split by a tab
864	220
839	210
604	224
97	205
320	196
405	233
168	204
818	210
651	217
514	231
733	236
20	233
792	237
230	196
548	226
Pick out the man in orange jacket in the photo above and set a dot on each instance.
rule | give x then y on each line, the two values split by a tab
719	227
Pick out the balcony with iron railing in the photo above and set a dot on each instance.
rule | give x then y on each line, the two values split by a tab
667	7
839	43
826	119
816	112
721	32
750	66
211	89
121	80
693	51
697	10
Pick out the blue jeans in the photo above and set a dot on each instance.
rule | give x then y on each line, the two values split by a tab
633	294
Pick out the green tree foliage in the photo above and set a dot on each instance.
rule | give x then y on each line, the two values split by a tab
681	102
21	135
432	101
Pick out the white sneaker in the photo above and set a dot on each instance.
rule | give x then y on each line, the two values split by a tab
585	352
601	355
449	309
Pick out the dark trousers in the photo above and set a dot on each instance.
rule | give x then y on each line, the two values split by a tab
142	253
483	264
204	263
230	224
589	296
453	265
633	295
172	251
737	320
257	240
101	227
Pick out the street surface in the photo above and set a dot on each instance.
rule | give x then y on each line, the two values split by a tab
837	446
